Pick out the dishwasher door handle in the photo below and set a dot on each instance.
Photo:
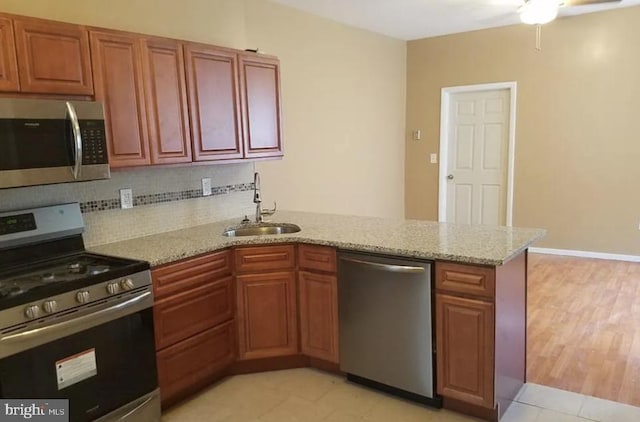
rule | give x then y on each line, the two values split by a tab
386	267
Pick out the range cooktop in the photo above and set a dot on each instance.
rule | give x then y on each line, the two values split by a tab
42	279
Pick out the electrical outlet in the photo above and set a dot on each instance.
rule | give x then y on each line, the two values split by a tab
126	198
433	157
206	186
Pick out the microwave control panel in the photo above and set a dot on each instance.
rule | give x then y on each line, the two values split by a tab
94	142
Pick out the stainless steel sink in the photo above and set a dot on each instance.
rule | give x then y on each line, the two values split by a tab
261	229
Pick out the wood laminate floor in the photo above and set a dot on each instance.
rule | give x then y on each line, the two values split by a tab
584	326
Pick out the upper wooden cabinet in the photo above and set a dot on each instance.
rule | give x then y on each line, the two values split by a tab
53	57
117	70
260	87
212	76
166	100
8	63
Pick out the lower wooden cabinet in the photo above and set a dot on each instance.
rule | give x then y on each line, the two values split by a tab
267	315
465	349
183	315
192	363
194	323
319	315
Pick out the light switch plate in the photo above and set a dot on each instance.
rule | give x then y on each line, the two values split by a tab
206	186
126	198
433	157
417	135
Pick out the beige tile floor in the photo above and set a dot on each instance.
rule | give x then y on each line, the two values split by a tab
308	395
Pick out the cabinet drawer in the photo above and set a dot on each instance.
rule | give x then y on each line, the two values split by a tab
465	279
193	362
184	275
321	258
265	258
188	313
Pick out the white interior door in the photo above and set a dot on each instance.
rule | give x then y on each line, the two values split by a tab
477	161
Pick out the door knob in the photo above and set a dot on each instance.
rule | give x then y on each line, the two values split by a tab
450	177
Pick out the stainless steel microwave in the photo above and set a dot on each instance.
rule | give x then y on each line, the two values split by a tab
51	141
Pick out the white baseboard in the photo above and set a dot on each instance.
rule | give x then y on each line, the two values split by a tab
586	254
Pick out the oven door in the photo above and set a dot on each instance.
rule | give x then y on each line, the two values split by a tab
100	369
51	141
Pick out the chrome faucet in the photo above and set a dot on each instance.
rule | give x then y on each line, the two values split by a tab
260	213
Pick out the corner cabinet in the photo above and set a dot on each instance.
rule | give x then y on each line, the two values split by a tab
266	302
8	62
261	106
53	57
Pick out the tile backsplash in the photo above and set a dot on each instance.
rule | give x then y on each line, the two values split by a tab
165	199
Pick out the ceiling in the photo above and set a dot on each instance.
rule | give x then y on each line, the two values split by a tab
413	19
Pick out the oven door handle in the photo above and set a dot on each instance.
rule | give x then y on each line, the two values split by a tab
77	139
74	325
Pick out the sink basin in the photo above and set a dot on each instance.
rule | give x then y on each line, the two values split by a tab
261	229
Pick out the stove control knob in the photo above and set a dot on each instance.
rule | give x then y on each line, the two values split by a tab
113	288
32	311
126	284
50	306
82	296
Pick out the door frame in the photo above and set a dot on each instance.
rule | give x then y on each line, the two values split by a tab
445	102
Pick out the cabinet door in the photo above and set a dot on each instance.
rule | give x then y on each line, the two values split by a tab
319	315
193	363
465	349
166	100
117	69
183	315
267	315
260	87
8	63
212	77
53	57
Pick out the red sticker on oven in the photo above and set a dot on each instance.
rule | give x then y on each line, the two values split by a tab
73	369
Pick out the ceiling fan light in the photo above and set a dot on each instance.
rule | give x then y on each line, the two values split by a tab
539	12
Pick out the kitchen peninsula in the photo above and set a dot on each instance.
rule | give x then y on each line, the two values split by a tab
228	305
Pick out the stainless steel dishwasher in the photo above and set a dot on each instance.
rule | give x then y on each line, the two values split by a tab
385	318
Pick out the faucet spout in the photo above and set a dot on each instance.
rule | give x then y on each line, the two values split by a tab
258	201
256	188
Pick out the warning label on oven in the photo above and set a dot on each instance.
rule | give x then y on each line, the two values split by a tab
76	368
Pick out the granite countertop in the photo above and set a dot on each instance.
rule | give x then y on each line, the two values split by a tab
487	245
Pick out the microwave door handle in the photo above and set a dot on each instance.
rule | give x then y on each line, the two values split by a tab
77	139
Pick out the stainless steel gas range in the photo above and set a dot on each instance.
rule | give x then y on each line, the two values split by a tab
74	325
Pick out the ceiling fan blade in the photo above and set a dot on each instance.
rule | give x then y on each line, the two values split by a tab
588	2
